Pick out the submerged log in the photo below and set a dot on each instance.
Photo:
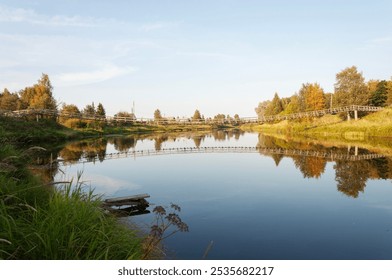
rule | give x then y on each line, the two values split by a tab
127	205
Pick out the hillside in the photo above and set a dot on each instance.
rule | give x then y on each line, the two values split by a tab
375	124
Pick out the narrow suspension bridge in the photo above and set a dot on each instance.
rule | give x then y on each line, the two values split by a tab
40	113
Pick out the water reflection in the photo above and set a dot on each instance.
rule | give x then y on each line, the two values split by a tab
353	166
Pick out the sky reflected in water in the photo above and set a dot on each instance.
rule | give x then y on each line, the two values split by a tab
252	205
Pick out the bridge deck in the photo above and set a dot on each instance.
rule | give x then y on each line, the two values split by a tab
318	113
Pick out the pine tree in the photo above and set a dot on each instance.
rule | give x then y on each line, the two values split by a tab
100	110
380	95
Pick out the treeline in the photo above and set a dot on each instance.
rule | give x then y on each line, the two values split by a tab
350	89
197	116
38	96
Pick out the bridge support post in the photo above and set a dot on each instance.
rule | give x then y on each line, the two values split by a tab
355	114
348	116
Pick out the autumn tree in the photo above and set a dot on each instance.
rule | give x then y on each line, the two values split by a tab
196	116
350	88
157	115
40	95
220	117
70	109
313	96
9	101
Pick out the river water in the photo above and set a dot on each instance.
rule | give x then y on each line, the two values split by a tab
250	195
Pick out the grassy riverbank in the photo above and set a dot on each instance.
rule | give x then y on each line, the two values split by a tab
42	221
38	221
377	124
31	131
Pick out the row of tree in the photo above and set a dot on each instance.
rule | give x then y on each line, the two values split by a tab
350	89
38	96
199	117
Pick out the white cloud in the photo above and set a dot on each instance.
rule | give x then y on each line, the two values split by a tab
30	16
157	26
94	76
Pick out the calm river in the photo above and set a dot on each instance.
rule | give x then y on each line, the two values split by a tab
253	196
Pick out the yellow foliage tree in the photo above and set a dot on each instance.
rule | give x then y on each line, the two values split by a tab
313	96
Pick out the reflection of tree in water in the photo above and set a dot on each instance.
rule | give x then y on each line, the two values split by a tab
277	158
158	142
219	135
72	152
310	167
381	165
123	144
90	150
351	176
44	159
197	140
222	135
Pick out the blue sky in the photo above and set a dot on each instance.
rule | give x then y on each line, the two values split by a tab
216	56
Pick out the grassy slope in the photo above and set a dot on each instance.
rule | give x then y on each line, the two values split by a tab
38	221
376	124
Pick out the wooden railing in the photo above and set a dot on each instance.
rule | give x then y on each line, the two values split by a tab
54	113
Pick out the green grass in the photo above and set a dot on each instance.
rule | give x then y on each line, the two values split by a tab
31	131
42	222
378	124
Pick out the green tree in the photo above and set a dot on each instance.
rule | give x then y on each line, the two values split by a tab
275	107
293	106
261	108
157	115
380	95
350	88
237	118
389	92
196	116
126	115
328	98
100	110
89	110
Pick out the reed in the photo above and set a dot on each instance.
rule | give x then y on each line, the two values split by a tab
63	222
